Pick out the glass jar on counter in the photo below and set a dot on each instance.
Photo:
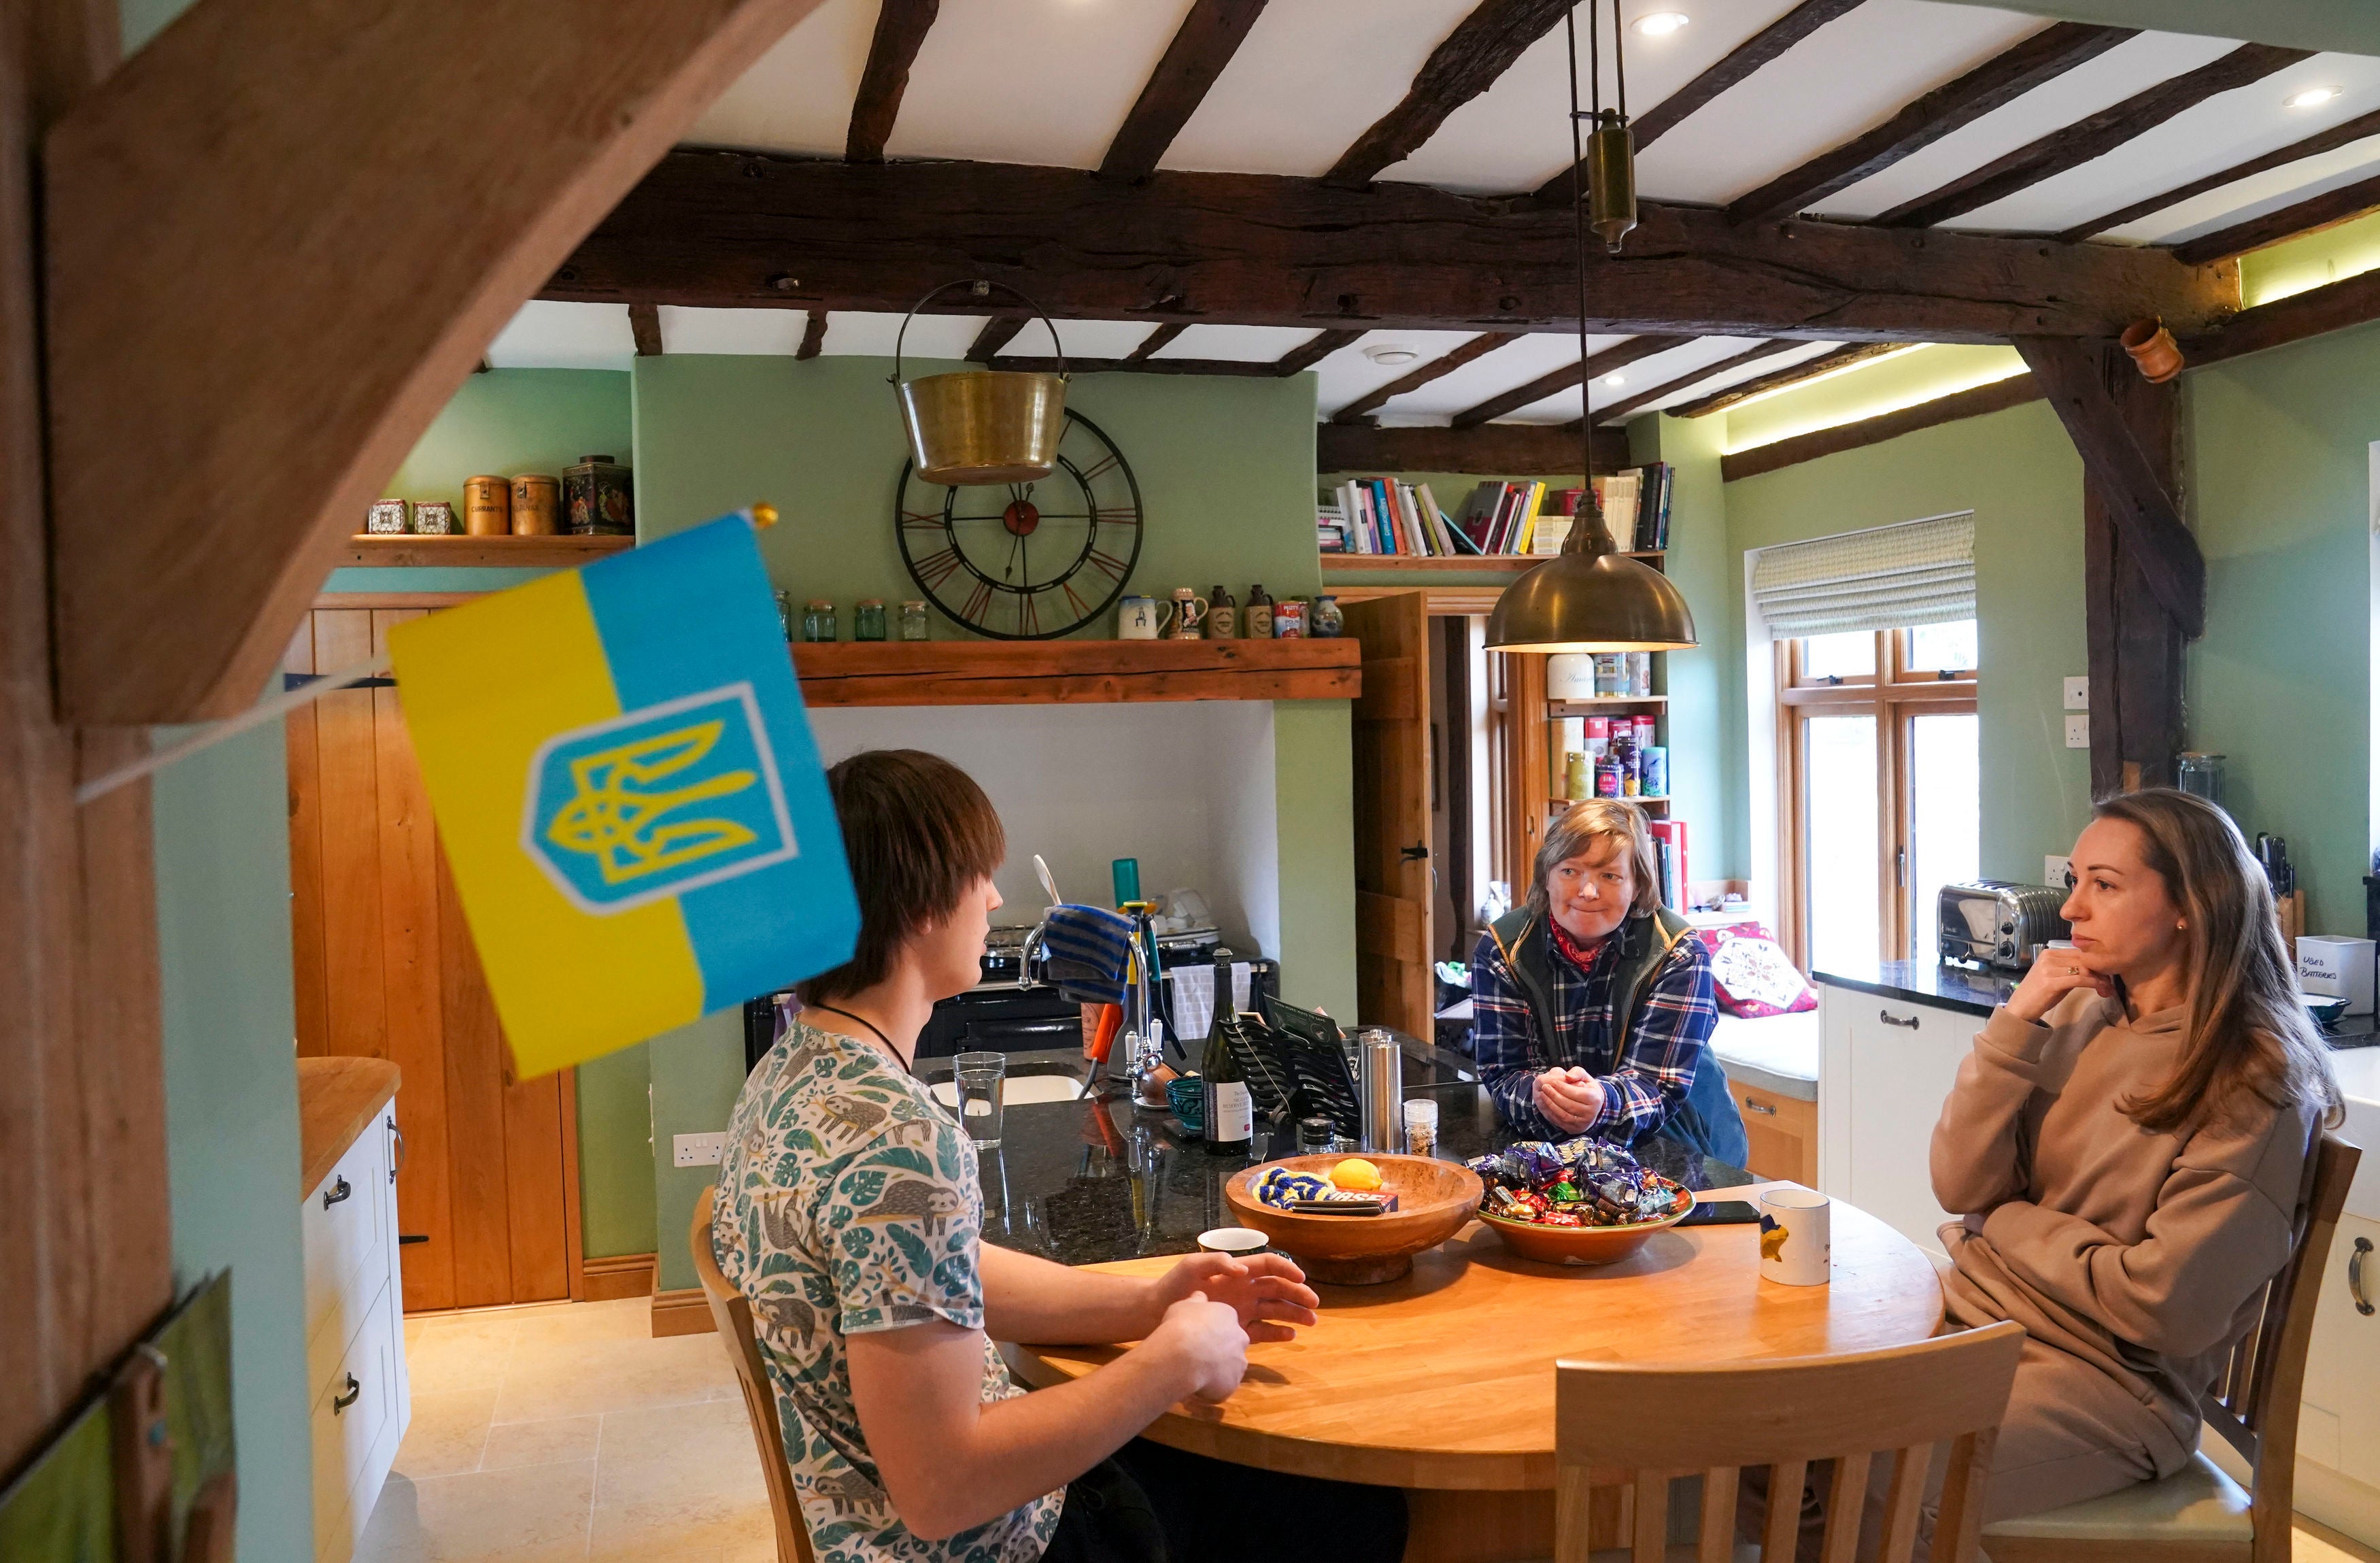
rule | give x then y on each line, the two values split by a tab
785	612
913	621
818	620
868	620
2201	775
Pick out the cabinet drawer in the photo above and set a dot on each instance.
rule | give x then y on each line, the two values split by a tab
353	1407
343	1227
1783	1132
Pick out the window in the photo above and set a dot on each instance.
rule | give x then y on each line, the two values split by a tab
1880	788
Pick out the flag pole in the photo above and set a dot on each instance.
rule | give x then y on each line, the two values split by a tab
215	733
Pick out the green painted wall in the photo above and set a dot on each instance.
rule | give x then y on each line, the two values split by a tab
510	421
231	1102
616	1130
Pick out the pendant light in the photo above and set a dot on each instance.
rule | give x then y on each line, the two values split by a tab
1589	597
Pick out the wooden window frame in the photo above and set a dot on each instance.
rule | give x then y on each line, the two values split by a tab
1893	695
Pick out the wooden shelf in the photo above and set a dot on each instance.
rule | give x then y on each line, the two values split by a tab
1558	803
1340	565
516	553
1075	672
1600	704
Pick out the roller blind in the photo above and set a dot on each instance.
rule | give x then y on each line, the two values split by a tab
1886	578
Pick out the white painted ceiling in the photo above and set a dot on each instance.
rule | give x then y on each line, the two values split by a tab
1048	81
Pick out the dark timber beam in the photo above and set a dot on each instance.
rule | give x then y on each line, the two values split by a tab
1999	80
901	29
2341	134
1777	380
1511	451
2014	391
2332	307
1305	355
2327	209
645	328
715	229
997	333
2083	384
1740	62
1481	48
1203	44
1618	411
1245	369
2095	137
1618	356
2135	643
1422	374
1154	340
813	336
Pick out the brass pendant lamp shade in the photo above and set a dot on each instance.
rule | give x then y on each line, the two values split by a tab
1590	597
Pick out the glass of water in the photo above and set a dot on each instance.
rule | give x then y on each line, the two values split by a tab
982	1079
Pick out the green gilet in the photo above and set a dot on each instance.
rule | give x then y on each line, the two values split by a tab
1645	940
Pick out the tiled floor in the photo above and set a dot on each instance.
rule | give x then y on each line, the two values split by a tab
567	1431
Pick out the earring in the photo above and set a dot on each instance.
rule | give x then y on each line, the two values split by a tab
2182	924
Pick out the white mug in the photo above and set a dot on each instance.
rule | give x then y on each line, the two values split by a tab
1796	1239
1136	619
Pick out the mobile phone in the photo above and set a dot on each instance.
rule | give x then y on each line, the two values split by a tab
1722	1213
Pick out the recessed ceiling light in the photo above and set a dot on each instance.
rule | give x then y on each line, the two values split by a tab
1615	379
1389	353
2312	97
1660	23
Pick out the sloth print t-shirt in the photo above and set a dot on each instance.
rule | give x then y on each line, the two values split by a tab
848	1202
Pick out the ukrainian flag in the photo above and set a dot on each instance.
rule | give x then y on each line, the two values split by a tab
629	794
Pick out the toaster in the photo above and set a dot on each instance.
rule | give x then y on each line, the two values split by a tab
1998	922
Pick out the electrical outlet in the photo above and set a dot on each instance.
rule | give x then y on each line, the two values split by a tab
697	1150
2078	694
2054	871
2078	730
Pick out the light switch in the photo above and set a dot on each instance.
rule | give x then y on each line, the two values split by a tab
2078	730
2078	694
697	1150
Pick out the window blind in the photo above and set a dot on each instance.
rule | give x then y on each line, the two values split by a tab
1886	578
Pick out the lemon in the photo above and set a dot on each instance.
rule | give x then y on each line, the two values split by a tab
1355	1174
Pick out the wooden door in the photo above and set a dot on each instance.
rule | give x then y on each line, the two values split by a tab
487	1196
1391	808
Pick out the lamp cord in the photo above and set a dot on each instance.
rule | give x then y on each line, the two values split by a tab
1598	530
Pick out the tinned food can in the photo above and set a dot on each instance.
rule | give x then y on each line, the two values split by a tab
1289	619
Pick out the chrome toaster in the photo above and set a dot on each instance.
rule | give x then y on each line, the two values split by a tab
1998	922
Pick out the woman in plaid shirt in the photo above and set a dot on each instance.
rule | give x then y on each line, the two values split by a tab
1591	1004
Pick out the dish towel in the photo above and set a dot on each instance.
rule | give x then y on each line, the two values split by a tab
1193	998
1086	950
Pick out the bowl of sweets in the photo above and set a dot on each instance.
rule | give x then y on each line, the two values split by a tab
1354	1220
1578	1202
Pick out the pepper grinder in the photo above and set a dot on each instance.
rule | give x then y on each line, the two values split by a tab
1381	1090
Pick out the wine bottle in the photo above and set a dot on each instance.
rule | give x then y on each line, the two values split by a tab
1230	1116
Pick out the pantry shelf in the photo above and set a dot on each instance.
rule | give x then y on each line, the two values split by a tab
1075	672
514	553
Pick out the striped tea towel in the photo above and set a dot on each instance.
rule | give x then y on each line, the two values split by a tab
1086	948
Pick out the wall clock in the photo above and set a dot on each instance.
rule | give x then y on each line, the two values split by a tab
1027	561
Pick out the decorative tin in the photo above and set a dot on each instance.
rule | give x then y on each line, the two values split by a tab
488	506
537	504
386	518
597	499
434	517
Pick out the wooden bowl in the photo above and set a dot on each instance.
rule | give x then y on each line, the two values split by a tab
1434	1198
1580	1245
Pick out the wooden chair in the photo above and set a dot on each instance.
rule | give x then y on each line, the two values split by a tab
1650	1423
732	1312
2199	1514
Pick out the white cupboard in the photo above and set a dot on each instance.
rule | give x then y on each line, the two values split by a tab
1885	1067
355	1343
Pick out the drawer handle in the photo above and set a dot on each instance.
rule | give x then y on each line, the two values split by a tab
355	1392
1889	1018
337	1191
2355	1277
398	1166
1751	1106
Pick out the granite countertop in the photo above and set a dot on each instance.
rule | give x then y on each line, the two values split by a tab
1979	992
1081	1182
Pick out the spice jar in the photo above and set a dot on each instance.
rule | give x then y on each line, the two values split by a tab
785	612
488	506
537	504
913	621
1222	614
1257	623
1576	781
818	620
868	620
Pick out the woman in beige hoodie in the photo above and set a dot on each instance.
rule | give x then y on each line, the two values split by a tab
2129	1146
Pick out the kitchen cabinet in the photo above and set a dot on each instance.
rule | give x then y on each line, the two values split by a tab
1884	1066
2340	1424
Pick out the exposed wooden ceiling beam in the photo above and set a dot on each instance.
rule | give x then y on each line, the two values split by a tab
1202	46
813	336
2342	134
997	333
1792	374
2014	391
2326	210
1154	340
901	29
1422	374
2136	496
645	328
1245	369
1740	62
1618	411
2335	306
714	229
1618	356
2045	55
1511	451
1305	355
1481	48
2094	137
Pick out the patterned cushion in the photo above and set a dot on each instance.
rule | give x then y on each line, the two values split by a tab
2198	1503
1752	975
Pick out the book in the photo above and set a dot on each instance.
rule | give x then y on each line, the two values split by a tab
1669	841
1526	532
1329	538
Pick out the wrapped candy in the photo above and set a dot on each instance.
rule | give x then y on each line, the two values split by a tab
1580	1181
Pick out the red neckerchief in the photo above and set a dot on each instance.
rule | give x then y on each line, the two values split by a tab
1578	954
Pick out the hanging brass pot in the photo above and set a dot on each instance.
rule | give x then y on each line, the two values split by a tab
982	425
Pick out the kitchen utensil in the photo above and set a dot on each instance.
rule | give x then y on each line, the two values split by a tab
1049	881
1796	1246
1380	1089
1578	1245
982	425
1434	1200
1238	1241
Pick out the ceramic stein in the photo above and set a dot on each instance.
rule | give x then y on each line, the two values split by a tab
1186	611
1136	618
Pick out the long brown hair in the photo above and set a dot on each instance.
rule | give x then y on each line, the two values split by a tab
2247	1030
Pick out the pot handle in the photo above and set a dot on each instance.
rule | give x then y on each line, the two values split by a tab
980	286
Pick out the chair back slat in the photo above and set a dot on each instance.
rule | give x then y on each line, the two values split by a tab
1905	1498
731	1313
1717	1533
1781	1527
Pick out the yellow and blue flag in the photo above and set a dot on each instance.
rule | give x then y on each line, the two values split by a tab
629	793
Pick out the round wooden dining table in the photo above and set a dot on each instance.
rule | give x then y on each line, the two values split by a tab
1442	1382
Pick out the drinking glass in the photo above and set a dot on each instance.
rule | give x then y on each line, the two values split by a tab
982	1080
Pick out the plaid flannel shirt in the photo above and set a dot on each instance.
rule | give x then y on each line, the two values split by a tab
1642	1082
